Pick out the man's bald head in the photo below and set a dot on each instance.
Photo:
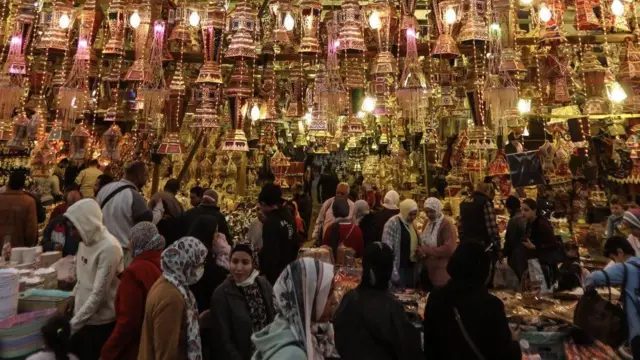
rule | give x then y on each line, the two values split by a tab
73	196
342	189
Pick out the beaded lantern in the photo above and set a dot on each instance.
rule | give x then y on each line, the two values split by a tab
238	92
310	11
510	61
474	27
206	116
412	89
586	18
243	27
350	21
111	143
80	139
212	40
180	33
283	22
296	90
56	26
448	13
409	20
280	166
117	21
332	95
383	18
140	70
151	95
594	74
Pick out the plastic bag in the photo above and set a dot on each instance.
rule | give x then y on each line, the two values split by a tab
536	275
505	277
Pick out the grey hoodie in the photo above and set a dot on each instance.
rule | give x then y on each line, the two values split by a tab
98	261
276	342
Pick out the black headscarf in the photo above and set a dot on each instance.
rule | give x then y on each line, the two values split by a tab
340	208
469	264
377	265
512	204
203	229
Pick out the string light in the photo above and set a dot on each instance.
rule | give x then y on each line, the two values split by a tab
369	104
524	106
544	13
255	112
616	93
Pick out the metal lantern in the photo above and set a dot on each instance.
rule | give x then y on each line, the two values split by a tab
20	130
57	26
212	39
140	70
474	27
351	22
284	22
239	92
594	74
243	27
111	142
117	20
280	166
80	142
170	145
310	11
448	13
412	92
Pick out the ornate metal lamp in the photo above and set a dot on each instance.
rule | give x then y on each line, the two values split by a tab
448	13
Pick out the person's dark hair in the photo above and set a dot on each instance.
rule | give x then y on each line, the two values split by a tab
172	186
93	162
135	168
570	246
105	179
63	162
197	191
377	266
55	334
616	200
74	187
512	204
532	204
340	207
203	229
617	242
469	264
271	194
244	247
17	180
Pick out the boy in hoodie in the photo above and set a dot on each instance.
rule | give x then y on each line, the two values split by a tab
98	261
617	210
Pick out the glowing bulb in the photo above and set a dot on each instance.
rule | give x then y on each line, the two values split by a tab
255	112
411	32
545	13
308	118
64	21
158	28
495	27
289	22
15	40
134	20
361	114
337	43
374	20
450	16
616	93
369	104
526	2
194	19
526	131
524	106
617	8
82	44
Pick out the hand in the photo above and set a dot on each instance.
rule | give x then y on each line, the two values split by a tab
515	334
423	250
529	245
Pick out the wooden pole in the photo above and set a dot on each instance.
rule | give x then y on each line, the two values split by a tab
242	175
192	154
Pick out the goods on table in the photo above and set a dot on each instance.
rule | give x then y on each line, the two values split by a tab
9	292
20	334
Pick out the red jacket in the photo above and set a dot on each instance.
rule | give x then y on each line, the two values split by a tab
350	236
135	283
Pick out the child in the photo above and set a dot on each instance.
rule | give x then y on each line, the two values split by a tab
55	334
570	273
618	208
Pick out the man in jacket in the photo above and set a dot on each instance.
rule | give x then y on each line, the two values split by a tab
123	206
208	206
18	218
98	262
325	216
279	245
170	226
303	202
57	235
87	178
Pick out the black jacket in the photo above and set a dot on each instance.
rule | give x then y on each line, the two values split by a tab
514	251
70	243
474	227
279	243
370	324
231	322
380	219
483	317
327	187
305	208
367	228
190	216
212	277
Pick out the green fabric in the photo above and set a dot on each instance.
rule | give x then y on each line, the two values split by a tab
277	341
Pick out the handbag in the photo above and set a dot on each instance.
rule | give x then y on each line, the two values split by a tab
600	318
466	336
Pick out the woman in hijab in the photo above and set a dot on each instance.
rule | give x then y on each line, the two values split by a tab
370	323
240	307
437	243
304	303
343	231
146	245
401	235
216	266
364	219
171	329
389	209
463	320
514	250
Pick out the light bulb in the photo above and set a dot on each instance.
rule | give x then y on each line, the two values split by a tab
450	16
374	20
616	93
308	118
289	22
526	131
64	21
526	2
134	20
194	19
361	114
617	8
495	27
255	112
411	32
16	40
337	43
545	13
369	104
524	106
82	44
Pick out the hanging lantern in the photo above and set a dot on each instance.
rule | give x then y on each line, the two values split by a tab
310	11
268	111
350	20
55	36
594	74
243	27
629	69
332	95
448	13
206	116
408	18
20	129
140	70
117	21
180	32
283	21
551	32
280	166
384	67
474	27
79	143
111	142
296	91
212	39
586	18
412	93
170	145
238	92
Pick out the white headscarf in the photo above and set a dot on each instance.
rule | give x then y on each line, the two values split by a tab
180	266
391	200
430	233
301	294
361	209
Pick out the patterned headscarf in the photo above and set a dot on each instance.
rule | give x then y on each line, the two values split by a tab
430	234
301	294
144	237
180	264
632	217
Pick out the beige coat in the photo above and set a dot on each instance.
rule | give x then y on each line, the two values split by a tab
438	257
87	180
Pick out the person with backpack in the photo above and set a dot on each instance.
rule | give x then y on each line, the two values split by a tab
625	273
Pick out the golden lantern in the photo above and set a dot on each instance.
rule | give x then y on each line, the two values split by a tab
239	91
350	20
117	21
243	27
212	39
111	142
140	22
474	27
310	11
594	74
56	29
20	129
80	139
448	13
